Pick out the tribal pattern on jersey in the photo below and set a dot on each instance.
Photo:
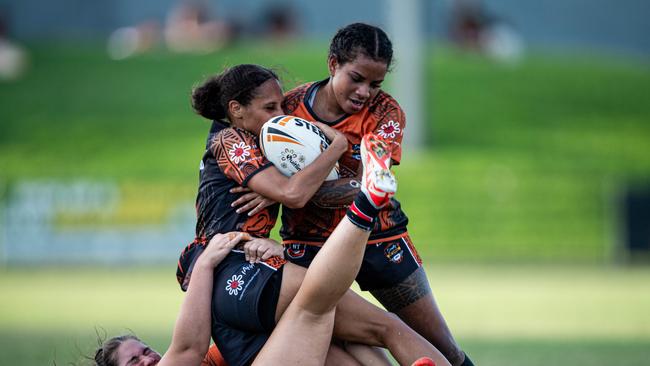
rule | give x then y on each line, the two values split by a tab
231	158
382	116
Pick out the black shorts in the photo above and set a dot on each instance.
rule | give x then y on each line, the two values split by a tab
244	300
384	265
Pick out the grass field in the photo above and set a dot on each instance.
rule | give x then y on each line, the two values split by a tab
502	315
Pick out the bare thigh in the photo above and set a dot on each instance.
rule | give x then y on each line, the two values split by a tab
357	320
292	277
300	338
338	356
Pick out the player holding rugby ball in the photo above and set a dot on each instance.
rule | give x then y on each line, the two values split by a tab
351	101
249	298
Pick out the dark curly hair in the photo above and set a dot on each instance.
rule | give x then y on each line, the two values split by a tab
239	83
362	38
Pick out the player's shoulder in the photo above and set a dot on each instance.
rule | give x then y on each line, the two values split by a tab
232	138
233	135
295	96
299	90
384	103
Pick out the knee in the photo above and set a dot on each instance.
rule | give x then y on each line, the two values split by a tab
388	326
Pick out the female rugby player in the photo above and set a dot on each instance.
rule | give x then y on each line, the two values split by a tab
351	101
249	298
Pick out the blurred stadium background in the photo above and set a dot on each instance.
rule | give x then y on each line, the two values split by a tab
528	198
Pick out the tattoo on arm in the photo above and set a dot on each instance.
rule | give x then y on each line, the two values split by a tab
336	193
413	288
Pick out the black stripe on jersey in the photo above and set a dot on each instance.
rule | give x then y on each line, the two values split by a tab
311	111
244	183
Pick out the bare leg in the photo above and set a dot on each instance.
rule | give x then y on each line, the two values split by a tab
357	320
308	322
413	302
368	355
337	356
292	278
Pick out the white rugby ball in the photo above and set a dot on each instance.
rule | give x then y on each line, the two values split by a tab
292	143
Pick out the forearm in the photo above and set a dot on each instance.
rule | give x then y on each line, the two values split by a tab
193	326
336	193
302	185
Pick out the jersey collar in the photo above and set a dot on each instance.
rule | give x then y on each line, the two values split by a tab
311	95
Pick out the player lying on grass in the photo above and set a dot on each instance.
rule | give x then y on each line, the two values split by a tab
192	333
128	349
303	333
249	298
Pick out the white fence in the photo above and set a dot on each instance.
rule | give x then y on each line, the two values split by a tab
31	232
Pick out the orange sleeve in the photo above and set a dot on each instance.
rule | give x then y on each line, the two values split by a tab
213	357
293	98
391	127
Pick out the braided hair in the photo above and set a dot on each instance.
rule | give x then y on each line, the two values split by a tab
362	38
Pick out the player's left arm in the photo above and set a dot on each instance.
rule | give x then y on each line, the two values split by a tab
191	337
337	193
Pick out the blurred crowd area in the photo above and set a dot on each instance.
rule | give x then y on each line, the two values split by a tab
499	28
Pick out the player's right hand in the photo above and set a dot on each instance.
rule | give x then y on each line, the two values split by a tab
250	200
337	138
260	249
220	245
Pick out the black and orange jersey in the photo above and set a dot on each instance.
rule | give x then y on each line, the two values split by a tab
382	116
231	158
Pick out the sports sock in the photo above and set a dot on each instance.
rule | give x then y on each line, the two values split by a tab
362	212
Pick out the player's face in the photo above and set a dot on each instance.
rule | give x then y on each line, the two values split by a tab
134	353
266	104
355	83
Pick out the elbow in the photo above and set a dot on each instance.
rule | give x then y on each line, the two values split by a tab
295	199
190	350
295	203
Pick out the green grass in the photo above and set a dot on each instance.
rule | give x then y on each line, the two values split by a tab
523	162
502	315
